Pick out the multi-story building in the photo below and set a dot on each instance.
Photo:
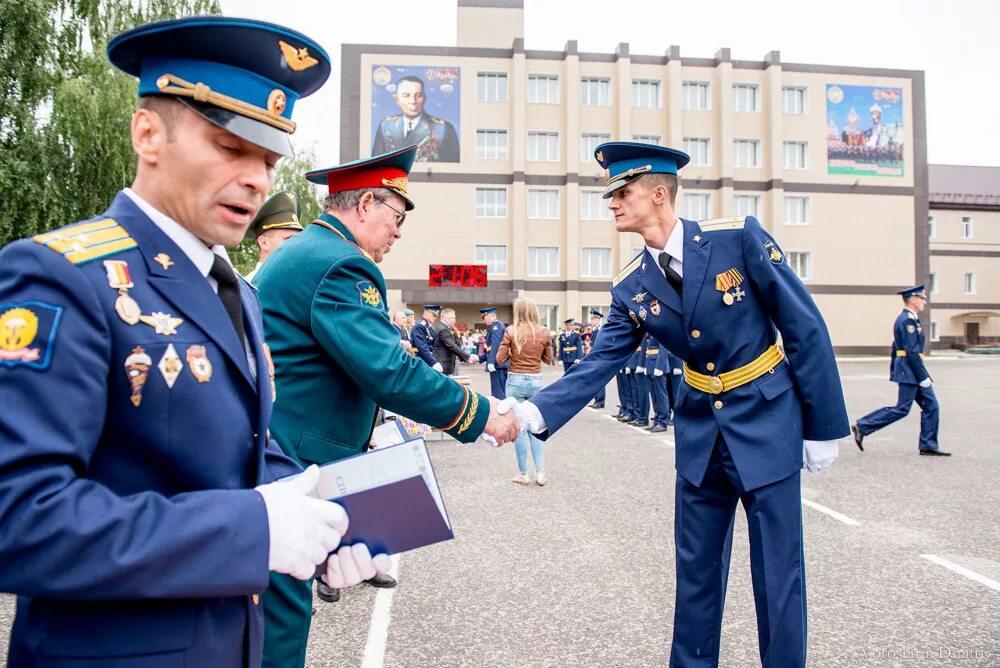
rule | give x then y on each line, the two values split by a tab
831	159
964	233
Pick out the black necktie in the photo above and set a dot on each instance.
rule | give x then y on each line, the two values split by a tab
672	276
229	293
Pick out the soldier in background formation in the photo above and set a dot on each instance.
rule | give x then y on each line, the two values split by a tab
494	335
570	346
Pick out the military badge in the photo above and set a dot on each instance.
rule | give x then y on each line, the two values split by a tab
654	307
911	329
22	325
639	298
296	59
773	254
276	101
370	295
163	323
730	279
137	369
631	314
164	260
120	279
697	238
170	366
642	312
198	362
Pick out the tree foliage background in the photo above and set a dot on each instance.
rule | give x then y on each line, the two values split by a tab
65	110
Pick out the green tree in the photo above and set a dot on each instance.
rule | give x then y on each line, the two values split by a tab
64	110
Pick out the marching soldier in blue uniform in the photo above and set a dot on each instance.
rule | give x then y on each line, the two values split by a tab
906	368
749	414
494	335
423	334
595	329
570	346
655	381
140	510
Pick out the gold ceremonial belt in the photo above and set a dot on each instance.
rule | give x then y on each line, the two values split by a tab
733	379
570	348
900	353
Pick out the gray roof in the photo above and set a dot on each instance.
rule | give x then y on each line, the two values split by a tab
962	184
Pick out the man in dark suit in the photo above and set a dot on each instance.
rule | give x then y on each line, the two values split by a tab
435	138
140	511
446	349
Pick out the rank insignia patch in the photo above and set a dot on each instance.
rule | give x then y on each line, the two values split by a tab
773	254
369	294
27	331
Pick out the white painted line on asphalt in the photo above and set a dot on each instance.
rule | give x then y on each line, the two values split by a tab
378	629
829	511
962	570
669	440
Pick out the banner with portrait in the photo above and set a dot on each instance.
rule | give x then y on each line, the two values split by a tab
865	133
419	105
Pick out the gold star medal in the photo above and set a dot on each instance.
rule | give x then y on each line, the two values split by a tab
120	279
163	323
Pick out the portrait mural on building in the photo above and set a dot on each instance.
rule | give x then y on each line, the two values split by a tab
417	105
865	131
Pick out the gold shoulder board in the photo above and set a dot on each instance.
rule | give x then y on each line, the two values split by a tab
716	224
84	242
629	268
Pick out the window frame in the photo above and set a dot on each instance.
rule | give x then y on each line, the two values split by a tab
743	85
708	95
588	79
484	190
809	263
550	78
479	260
804	145
647	81
804	91
708	150
528	271
492	77
547	191
758	153
486	132
807	212
547	134
609	273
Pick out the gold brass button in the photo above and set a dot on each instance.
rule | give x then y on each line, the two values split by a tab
256	599
710	366
718	405
695	334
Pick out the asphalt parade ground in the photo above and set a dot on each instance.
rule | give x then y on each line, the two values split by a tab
902	551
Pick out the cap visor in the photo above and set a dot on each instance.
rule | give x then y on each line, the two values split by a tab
615	185
255	132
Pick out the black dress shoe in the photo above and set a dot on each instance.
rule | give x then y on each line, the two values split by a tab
657	429
858	437
671	423
935	453
383	581
327	593
642	424
596	406
649	427
623	418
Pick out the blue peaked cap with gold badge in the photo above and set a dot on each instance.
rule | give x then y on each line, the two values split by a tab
242	75
915	291
389	170
625	161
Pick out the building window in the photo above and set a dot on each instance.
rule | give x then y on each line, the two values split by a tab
543	261
967	227
697	206
796	210
589	141
593	206
491	202
646	93
548	316
655	140
491	87
935	331
543	203
933	276
793	99
491	144
697	148
495	259
746	205
931	227
603	309
543	88
543	146
694	95
970	283
796	155
595	263
801	263
746	152
595	92
746	97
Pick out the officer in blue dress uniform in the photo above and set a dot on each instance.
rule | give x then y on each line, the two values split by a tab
494	335
640	387
422	336
717	294
139	510
906	368
596	317
655	381
570	346
631	401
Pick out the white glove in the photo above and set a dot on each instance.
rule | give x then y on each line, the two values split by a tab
657	372
528	415
473	359
818	455
641	369
576	361
437	367
926	382
490	440
491	367
354	563
677	372
303	529
628	370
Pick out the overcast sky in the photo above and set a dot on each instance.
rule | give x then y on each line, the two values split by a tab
954	42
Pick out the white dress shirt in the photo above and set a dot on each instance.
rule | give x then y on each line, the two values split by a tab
410	124
675	247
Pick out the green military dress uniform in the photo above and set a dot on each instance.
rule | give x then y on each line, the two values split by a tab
337	358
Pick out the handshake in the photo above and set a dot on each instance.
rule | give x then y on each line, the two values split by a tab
508	418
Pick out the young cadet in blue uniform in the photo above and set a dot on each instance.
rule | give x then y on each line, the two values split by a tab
655	380
717	294
423	334
640	392
337	357
494	335
906	368
570	346
139	510
595	329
